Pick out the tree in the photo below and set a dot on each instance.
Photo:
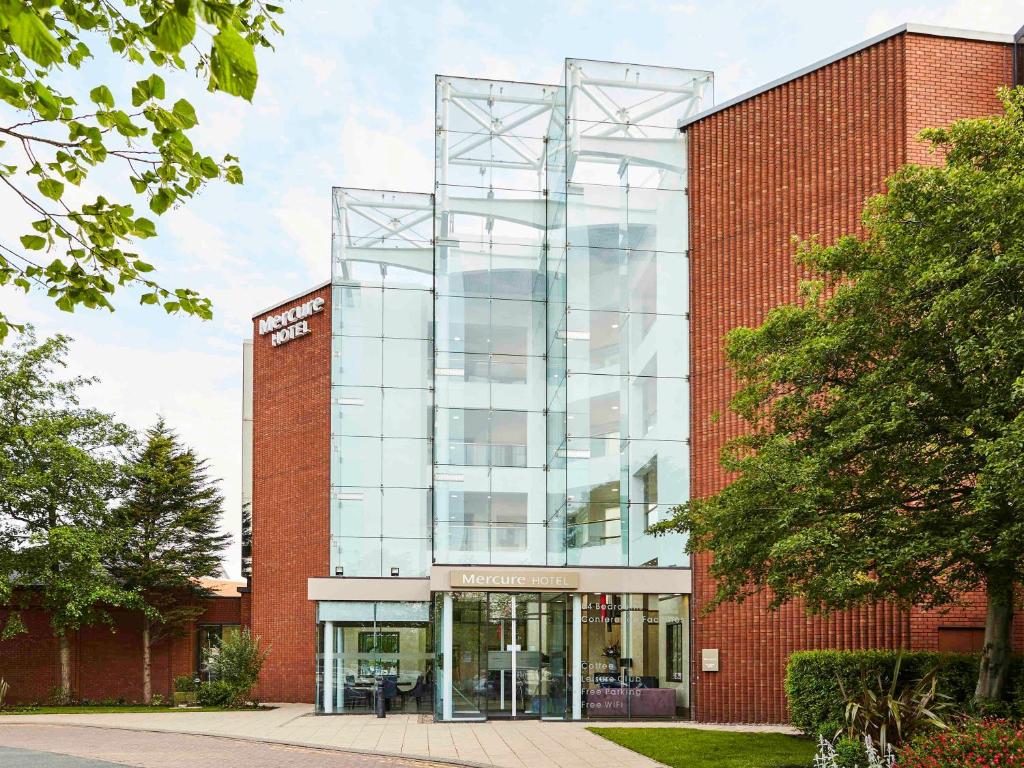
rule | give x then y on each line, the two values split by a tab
59	470
168	538
884	456
81	248
61	570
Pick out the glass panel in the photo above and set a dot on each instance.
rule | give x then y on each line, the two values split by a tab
406	463
491	269
616	343
356	512
382	238
406	363
406	514
601	216
356	461
408	314
410	556
357	361
392	652
357	556
622	280
631	657
356	410
357	310
406	412
498	326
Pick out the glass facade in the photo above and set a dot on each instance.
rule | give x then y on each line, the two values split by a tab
381	383
510	386
363	645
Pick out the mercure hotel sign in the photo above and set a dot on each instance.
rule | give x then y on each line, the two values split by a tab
290	324
525	579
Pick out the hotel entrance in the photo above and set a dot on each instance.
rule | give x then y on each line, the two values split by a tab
509	654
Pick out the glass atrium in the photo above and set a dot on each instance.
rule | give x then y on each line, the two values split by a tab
510	387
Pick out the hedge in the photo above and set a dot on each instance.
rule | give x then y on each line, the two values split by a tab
816	703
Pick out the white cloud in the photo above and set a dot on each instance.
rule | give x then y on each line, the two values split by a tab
305	217
991	16
381	150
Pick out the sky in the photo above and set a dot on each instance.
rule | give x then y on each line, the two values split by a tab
346	99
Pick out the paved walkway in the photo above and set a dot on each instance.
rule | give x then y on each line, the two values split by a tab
71	746
508	744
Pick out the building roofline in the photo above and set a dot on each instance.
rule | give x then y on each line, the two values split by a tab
298	295
916	29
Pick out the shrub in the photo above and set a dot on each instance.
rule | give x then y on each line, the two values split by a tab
238	663
215	693
816	702
845	752
988	742
892	711
184	684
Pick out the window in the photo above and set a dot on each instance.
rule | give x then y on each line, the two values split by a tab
675	652
208	640
378	643
648	477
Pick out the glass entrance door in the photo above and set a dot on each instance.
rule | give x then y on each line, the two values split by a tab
509	654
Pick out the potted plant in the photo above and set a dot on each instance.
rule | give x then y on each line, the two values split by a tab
184	691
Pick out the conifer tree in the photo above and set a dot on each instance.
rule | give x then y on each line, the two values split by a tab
168	537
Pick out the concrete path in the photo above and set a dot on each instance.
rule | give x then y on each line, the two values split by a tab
508	744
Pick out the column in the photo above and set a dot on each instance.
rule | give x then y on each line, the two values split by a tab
328	692
447	660
577	657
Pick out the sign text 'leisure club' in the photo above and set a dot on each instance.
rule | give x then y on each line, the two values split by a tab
290	324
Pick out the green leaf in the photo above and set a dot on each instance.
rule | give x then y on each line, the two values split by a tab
161	201
33	242
173	30
148	298
11	92
185	113
233	64
102	96
29	33
51	188
144	228
216	12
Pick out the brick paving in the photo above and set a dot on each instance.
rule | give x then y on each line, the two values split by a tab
505	744
41	745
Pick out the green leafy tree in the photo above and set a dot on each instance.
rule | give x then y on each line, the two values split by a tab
884	455
60	468
61	570
168	538
80	248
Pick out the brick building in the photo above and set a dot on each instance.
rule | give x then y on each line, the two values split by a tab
454	447
106	661
459	440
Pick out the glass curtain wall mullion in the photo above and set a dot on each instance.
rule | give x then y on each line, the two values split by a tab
382	276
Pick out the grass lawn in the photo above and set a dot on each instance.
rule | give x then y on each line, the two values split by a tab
693	748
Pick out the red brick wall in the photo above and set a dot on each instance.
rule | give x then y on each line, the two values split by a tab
799	159
291	492
106	661
949	79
